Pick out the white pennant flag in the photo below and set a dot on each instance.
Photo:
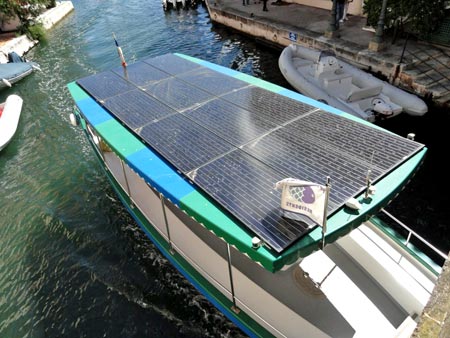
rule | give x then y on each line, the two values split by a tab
302	197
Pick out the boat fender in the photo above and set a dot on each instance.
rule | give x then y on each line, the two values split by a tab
73	120
353	204
380	107
7	83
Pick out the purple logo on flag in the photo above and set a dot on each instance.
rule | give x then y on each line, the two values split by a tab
303	194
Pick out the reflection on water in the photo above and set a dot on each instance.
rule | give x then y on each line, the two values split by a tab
73	263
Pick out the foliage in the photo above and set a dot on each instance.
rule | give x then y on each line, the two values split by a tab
26	11
36	32
419	16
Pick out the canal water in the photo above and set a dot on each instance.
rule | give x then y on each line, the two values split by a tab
72	261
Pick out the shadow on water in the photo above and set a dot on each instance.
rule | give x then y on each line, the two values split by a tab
423	204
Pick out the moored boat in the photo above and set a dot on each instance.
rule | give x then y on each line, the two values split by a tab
322	76
15	70
194	151
10	111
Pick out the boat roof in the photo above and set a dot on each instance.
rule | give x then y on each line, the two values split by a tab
221	139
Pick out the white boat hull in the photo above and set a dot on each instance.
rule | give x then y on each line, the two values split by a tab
9	119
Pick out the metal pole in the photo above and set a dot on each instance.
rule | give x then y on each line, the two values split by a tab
378	38
368	183
161	197
230	272
126	182
404	48
325	210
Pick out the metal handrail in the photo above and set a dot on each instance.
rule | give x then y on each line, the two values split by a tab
413	233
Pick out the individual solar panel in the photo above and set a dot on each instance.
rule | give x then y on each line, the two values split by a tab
272	107
141	74
171	64
212	81
245	187
234	124
136	109
354	140
104	85
177	94
183	142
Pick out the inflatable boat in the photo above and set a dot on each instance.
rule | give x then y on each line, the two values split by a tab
321	76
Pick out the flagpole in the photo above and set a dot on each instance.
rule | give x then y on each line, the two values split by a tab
368	183
119	51
327	195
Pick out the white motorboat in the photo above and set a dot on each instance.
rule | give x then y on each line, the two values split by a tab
321	76
10	111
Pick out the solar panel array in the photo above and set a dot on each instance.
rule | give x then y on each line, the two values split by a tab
235	140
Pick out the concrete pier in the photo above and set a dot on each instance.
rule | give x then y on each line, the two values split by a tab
420	68
22	44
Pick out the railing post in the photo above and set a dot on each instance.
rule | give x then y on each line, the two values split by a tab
161	197
230	272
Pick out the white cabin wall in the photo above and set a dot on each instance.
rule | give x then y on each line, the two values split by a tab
207	261
113	162
146	200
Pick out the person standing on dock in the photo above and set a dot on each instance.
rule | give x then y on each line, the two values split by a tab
344	15
265	6
340	5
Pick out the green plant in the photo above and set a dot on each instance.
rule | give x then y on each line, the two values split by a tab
419	16
36	32
25	10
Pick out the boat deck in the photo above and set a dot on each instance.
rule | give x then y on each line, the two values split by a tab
234	138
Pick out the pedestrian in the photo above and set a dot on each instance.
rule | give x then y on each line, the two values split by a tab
340	5
344	16
265	6
243	2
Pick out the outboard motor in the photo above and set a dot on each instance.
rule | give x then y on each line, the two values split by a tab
381	108
13	57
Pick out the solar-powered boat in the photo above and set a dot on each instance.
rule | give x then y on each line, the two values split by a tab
195	152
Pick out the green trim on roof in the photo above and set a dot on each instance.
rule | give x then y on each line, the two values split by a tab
77	93
119	138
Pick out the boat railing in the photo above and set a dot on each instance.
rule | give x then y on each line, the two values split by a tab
412	234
